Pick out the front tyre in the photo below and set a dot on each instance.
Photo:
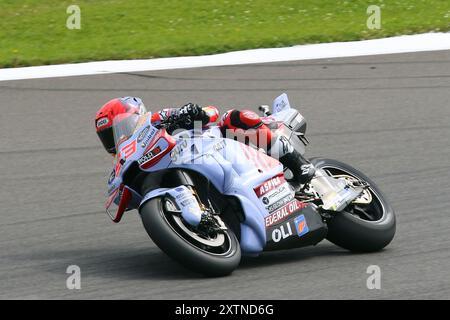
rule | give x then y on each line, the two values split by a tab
214	255
360	227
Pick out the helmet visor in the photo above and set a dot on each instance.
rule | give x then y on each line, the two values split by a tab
107	139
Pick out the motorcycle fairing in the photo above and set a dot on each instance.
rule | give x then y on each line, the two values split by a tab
230	166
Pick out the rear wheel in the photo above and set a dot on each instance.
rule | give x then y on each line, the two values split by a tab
212	251
366	225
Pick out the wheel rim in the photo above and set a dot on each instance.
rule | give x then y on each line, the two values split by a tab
218	243
215	241
372	211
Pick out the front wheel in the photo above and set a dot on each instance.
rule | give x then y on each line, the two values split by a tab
217	253
361	227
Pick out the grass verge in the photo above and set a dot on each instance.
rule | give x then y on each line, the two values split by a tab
34	32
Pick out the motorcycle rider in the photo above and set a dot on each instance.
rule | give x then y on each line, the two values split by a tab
233	121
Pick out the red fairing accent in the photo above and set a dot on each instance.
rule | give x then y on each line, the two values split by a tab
111	198
117	167
162	134
123	204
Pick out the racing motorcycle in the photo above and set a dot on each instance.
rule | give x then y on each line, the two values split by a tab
205	200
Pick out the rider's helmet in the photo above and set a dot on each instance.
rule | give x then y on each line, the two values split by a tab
105	116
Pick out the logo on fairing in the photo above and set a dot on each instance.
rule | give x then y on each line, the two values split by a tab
301	226
143	134
269	185
181	146
282	232
284	212
149	156
278	204
276	192
149	137
278	197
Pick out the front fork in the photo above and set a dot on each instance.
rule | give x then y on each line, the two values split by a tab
195	212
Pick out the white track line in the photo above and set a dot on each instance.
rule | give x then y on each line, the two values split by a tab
401	44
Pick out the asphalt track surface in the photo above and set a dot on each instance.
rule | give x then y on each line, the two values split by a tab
387	115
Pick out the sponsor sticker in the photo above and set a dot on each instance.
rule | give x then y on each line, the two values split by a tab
175	153
300	225
278	193
279	203
269	185
282	232
149	155
145	158
143	133
149	137
284	212
102	122
274	193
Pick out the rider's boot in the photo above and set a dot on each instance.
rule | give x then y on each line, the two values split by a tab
302	170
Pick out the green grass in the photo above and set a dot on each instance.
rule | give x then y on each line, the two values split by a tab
33	32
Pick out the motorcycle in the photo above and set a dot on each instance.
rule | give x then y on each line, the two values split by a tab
205	200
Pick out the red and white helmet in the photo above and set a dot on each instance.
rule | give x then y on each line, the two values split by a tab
105	116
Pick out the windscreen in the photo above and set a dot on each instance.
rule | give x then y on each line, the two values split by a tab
123	127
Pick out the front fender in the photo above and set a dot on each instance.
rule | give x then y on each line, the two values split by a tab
186	202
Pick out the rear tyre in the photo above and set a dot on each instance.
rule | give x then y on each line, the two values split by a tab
359	228
216	255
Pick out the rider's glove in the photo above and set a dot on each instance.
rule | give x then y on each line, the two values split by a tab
193	112
185	117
